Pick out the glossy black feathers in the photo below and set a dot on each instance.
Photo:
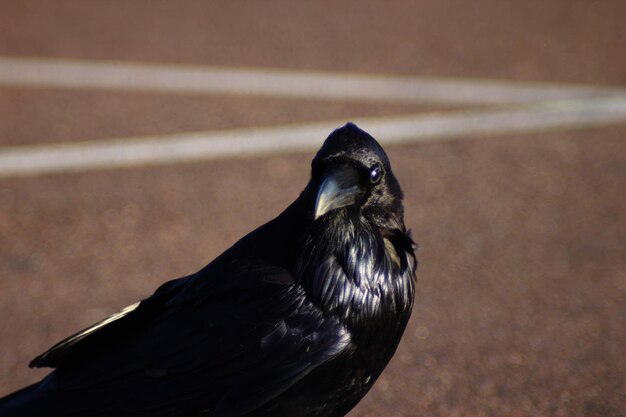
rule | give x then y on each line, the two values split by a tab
298	318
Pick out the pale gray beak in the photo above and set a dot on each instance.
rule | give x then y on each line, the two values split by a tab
339	188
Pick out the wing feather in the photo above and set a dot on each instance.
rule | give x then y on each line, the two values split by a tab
231	350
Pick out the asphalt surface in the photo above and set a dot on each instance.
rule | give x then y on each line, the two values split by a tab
522	280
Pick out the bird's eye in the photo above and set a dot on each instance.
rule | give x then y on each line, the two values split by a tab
376	174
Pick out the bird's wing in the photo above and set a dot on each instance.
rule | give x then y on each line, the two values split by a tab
120	324
229	350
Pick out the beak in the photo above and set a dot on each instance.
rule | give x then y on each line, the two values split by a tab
339	188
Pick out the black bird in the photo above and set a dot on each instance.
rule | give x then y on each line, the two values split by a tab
298	318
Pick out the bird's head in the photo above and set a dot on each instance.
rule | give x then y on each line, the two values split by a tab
352	173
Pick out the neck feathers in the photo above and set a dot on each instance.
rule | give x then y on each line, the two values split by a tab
358	273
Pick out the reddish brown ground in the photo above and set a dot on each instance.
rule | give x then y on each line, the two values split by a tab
522	281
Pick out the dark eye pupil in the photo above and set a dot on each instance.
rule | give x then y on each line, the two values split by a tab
375	175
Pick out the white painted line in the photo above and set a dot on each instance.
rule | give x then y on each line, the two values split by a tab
113	75
532	118
192	147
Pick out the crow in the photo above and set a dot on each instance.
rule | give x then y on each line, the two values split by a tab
298	318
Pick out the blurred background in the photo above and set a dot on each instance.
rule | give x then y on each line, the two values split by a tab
522	279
